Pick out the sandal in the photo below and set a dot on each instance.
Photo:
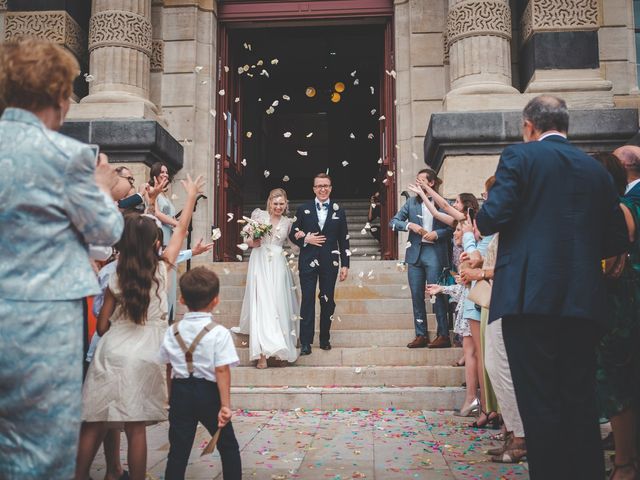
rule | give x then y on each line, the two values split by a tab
262	363
502	448
491	423
511	455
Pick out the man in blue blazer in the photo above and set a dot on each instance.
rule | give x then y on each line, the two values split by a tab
320	230
426	255
558	216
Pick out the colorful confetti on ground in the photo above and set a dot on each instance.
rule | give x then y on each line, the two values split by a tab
341	445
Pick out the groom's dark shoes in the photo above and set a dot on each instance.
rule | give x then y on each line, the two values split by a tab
305	350
325	346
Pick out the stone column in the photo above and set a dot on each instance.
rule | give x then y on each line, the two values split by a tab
478	39
560	53
120	47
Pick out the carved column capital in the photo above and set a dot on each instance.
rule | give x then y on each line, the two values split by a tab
559	16
3	5
119	28
57	26
478	17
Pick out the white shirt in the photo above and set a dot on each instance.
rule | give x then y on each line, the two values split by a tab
427	218
214	350
323	212
631	185
548	134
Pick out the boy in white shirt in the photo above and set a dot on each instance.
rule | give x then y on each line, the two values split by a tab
199	354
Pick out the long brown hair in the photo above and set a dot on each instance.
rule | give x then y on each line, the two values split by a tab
137	266
469	200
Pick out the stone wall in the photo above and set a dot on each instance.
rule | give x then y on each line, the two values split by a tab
187	93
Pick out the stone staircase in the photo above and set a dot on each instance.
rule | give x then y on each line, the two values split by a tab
363	246
369	367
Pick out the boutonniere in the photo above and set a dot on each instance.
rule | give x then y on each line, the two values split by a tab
334	216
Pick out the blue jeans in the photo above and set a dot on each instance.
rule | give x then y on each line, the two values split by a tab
427	270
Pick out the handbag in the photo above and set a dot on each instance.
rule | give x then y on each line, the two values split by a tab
480	293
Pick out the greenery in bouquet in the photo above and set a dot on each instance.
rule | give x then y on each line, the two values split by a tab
255	230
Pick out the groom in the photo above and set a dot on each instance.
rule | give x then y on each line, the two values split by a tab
320	230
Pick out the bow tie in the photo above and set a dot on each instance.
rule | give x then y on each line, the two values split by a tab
322	205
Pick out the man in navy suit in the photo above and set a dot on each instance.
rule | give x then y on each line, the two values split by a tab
558	216
426	256
320	230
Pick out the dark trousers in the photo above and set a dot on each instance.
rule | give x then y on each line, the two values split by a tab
552	361
308	281
196	400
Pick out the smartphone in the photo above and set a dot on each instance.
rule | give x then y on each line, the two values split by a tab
96	151
472	214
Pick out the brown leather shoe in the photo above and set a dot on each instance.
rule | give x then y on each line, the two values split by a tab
440	342
419	342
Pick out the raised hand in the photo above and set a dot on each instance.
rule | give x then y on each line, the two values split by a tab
105	175
193	187
158	187
201	247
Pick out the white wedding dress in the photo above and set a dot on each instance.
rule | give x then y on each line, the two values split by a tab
270	307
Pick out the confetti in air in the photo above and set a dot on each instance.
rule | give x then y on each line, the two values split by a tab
302	153
266	173
221	92
345	163
198	68
88	78
243	246
285	178
286	134
229	217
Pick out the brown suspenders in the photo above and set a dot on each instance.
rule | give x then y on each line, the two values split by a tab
188	351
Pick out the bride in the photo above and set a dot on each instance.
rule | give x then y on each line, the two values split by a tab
270	306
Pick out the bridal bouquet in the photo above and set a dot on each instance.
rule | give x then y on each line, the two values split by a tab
255	230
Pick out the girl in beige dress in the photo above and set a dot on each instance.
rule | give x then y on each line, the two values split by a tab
125	384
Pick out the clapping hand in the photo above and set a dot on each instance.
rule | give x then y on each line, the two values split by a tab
159	184
201	247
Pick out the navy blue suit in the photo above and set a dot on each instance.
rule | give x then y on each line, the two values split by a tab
426	261
558	215
319	265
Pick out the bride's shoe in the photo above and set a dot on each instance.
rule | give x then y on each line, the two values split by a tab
262	363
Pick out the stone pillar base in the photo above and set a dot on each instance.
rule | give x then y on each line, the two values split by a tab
459	101
139	109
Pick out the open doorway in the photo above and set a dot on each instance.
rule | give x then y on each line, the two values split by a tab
300	99
311	103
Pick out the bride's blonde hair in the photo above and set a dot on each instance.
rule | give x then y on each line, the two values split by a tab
275	193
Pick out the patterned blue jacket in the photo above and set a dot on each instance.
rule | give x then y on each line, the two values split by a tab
50	209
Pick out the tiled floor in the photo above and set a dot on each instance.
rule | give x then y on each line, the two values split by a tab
340	445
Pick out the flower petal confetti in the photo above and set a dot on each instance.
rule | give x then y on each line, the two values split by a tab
221	92
310	134
216	233
285	178
229	217
266	173
286	134
88	78
345	163
302	153
243	246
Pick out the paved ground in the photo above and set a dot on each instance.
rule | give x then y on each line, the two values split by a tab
340	445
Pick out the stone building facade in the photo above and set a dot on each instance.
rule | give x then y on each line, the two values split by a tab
461	72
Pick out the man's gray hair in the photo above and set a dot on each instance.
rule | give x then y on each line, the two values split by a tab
547	112
629	156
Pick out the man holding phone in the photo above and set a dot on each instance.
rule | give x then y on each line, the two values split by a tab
426	255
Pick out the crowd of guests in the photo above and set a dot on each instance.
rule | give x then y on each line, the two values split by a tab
545	281
74	226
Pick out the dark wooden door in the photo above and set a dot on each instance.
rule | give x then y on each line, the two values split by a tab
229	167
388	150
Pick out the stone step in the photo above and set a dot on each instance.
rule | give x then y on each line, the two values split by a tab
357	338
363	356
348	321
235	278
366	398
234	292
346	306
359	376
